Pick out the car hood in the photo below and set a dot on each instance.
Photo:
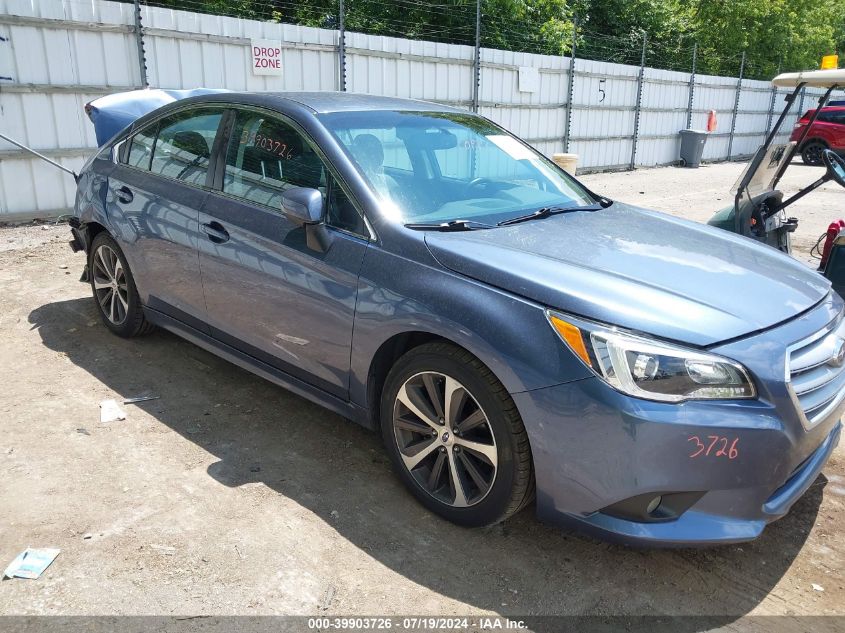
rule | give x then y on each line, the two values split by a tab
638	269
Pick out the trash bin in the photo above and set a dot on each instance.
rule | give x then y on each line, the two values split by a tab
692	147
567	162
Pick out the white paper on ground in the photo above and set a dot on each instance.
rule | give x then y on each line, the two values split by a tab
111	412
31	563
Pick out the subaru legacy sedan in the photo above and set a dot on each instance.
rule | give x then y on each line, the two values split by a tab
513	336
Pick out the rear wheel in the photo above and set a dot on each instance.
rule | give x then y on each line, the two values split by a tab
811	153
114	289
455	437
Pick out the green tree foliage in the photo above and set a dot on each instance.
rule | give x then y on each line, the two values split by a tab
775	34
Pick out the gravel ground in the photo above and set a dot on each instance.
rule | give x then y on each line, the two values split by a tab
228	495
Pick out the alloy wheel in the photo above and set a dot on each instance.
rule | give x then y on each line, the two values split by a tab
445	439
110	286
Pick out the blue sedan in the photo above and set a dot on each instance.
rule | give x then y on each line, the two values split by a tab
513	336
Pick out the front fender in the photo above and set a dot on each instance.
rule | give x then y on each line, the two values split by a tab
510	335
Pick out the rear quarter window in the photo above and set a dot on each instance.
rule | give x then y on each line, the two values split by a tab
141	148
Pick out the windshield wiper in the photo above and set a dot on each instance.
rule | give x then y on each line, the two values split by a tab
545	212
451	225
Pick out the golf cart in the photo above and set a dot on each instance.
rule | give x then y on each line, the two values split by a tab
759	209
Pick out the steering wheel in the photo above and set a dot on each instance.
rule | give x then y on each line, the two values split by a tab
835	166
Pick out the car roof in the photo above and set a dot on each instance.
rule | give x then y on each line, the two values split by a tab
324	102
824	109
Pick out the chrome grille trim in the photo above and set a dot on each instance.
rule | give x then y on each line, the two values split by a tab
816	386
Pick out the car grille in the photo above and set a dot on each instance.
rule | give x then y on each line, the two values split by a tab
817	373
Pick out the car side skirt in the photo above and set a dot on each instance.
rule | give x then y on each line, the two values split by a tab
318	396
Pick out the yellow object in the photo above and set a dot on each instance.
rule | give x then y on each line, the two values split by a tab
830	62
573	338
567	162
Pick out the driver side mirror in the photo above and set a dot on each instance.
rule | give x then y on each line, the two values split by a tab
305	207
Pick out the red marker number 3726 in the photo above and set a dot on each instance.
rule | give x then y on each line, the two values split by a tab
717	442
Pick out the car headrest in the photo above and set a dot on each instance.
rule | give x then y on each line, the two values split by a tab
262	162
368	151
191	142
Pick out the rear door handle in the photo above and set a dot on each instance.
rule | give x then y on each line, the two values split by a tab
125	195
215	232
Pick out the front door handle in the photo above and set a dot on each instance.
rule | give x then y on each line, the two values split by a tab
215	232
125	195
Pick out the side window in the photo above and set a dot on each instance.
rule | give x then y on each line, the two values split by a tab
141	150
267	156
183	146
341	213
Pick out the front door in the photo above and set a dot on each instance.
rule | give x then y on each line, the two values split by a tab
267	293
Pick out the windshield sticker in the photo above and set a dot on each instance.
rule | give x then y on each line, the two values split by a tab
267	143
511	147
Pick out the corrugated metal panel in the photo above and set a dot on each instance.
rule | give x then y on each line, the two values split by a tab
175	62
56	68
409	69
530	115
67	58
604	97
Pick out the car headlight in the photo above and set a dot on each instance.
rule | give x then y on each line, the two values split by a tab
652	369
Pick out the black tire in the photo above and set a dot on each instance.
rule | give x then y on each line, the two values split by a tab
512	486
811	153
126	322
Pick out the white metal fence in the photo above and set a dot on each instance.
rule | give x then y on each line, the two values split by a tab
56	55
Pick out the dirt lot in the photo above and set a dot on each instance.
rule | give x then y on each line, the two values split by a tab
228	495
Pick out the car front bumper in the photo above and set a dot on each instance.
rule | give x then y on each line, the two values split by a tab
589	455
596	449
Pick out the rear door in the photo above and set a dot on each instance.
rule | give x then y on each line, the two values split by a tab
156	195
267	293
838	131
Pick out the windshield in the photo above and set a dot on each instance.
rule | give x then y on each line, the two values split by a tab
432	167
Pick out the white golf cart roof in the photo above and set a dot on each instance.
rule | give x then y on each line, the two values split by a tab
813	78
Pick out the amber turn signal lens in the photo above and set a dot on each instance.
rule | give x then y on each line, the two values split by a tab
573	338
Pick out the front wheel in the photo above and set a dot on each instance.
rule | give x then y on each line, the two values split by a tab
114	289
455	437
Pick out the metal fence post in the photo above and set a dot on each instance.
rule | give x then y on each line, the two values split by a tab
139	41
476	80
736	105
570	88
801	102
772	106
341	47
639	104
692	85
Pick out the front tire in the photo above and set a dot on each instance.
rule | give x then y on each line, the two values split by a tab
455	437
113	287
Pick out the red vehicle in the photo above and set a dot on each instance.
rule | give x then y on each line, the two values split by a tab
828	132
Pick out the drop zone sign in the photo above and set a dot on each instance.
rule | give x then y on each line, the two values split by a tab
266	57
